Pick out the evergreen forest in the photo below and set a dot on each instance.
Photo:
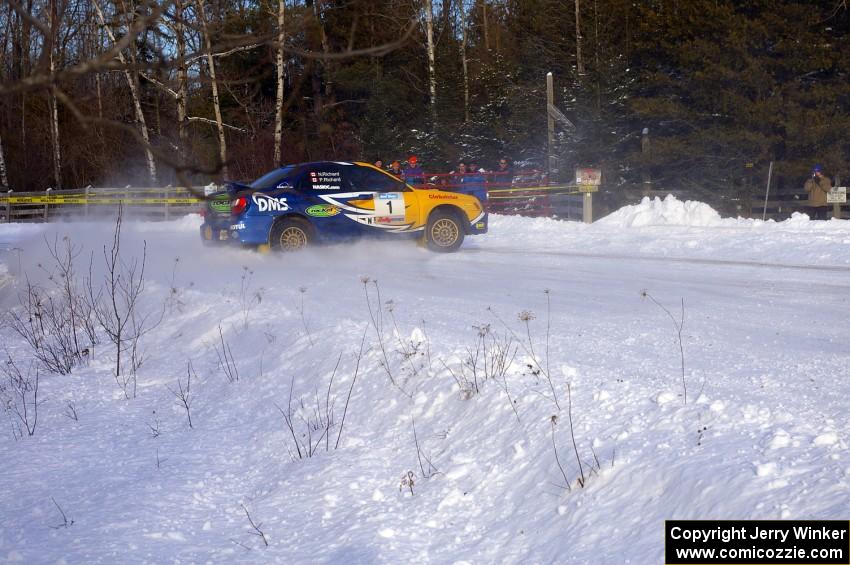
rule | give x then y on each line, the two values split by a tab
695	96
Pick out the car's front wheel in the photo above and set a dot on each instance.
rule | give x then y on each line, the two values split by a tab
444	232
291	234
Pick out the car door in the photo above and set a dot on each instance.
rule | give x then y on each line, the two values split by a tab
328	193
387	205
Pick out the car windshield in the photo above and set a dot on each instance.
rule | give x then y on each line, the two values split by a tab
272	179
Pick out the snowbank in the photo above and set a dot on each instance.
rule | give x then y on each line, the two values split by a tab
765	351
667	212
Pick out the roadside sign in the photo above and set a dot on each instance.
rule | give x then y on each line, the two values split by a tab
838	195
589	176
588	188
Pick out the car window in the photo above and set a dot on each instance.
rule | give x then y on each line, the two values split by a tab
322	178
362	178
276	177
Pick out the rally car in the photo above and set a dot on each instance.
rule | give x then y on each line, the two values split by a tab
297	205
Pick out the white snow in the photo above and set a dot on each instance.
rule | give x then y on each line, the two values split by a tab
762	435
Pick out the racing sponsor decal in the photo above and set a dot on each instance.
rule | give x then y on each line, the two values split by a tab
326	180
220	204
479	225
383	208
390	204
239	226
322	211
266	203
339	201
442	196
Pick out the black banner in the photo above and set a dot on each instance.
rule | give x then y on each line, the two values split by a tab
757	542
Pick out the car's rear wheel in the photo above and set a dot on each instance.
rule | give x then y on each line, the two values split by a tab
291	234
444	232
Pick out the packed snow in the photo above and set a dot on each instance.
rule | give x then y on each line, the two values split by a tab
428	461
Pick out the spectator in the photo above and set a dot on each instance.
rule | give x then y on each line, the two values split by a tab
474	182
818	186
379	163
413	174
503	175
455	177
395	169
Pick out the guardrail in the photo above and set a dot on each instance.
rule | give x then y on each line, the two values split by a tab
525	194
148	203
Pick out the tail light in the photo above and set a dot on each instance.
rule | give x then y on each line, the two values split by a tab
238	206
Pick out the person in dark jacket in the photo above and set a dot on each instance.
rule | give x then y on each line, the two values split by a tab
454	179
818	185
503	176
413	174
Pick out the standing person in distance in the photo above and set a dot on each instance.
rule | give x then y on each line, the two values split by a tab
474	182
395	169
817	186
413	174
503	176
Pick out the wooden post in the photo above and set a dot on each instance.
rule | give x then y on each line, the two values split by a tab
9	206
767	191
47	194
168	193
587	208
86	205
646	152
836	206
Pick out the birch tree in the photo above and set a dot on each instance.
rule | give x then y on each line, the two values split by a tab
134	94
432	68
278	121
182	78
579	59
222	141
4	179
464	61
50	46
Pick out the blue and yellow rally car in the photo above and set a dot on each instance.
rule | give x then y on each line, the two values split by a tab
294	206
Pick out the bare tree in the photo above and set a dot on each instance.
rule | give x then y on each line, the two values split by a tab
222	141
278	120
132	83
23	401
116	306
171	42
183	392
579	59
182	78
464	61
4	179
432	68
485	25
50	45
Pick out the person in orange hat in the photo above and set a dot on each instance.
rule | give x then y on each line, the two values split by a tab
413	174
395	169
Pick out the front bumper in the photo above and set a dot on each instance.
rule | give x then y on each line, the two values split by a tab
479	224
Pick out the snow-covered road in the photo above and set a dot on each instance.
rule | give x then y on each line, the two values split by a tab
763	433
